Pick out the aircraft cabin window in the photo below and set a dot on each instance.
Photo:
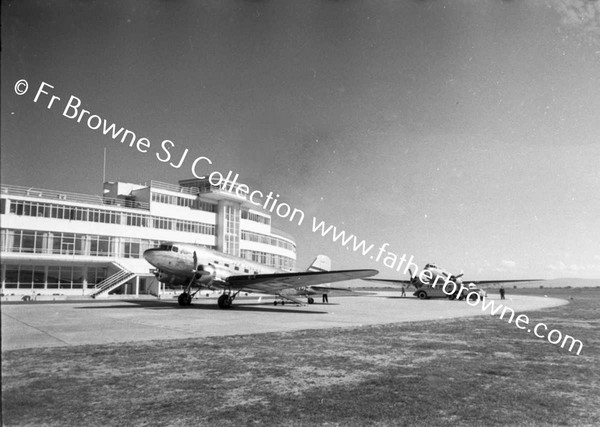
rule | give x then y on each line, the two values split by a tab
236	268
175	249
226	265
246	270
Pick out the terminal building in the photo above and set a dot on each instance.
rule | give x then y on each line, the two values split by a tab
56	244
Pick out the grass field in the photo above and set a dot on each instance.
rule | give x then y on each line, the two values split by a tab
478	372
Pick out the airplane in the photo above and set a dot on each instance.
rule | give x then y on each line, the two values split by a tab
197	266
425	289
321	263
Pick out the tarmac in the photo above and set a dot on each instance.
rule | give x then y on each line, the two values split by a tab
48	324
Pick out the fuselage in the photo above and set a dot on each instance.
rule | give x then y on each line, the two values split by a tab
177	263
436	273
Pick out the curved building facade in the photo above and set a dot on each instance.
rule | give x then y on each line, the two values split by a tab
62	244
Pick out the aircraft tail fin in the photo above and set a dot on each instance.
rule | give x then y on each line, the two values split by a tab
321	263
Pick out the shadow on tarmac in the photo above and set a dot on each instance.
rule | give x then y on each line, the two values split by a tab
248	307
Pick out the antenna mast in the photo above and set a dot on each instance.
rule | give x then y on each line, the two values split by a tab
104	168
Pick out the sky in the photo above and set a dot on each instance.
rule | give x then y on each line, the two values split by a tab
463	132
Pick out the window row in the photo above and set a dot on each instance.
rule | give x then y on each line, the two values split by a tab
183	201
73	213
193	227
53	276
272	260
268	240
45	242
256	218
50	210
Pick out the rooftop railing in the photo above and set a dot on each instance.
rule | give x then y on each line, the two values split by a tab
173	187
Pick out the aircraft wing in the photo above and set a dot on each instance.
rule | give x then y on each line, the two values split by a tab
329	288
468	282
489	282
275	283
395	281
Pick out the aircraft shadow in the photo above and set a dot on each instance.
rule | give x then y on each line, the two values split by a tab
243	307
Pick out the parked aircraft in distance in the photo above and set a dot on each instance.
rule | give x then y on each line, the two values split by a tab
199	267
423	283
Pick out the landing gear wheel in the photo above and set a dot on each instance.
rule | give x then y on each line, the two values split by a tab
421	295
311	300
224	301
275	303
184	299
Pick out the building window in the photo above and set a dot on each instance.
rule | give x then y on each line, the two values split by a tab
232	229
256	218
53	277
12	277
39	273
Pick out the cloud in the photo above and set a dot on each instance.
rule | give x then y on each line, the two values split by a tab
581	15
508	263
561	267
505	265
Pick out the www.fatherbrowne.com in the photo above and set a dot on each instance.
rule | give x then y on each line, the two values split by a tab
449	287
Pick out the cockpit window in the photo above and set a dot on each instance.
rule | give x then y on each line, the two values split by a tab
165	247
175	249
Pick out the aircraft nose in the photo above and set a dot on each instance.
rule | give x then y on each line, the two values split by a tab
150	256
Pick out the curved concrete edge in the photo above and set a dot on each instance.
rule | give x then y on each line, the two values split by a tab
50	325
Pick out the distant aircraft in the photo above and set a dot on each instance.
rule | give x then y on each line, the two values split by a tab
200	267
425	289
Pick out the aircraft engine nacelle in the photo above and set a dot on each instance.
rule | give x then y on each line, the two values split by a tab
205	273
169	279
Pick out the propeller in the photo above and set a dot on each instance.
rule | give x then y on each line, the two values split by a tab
412	279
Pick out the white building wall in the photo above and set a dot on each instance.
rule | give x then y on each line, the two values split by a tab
181	212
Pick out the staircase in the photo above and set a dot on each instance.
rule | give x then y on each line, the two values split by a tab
114	281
